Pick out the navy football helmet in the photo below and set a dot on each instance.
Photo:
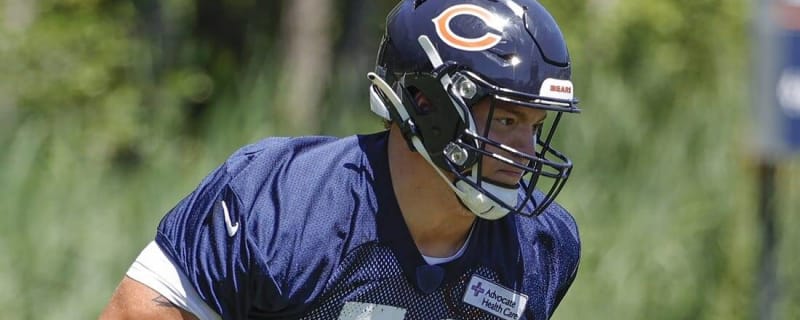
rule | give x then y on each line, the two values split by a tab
457	53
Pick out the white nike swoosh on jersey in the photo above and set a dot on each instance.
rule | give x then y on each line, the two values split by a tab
232	229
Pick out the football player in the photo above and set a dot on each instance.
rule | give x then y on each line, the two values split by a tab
448	214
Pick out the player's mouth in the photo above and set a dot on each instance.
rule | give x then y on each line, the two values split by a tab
508	176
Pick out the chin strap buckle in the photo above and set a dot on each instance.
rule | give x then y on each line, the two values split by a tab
409	130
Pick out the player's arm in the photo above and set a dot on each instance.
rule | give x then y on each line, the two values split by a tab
197	267
133	300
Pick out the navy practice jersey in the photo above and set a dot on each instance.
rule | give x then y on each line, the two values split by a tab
309	228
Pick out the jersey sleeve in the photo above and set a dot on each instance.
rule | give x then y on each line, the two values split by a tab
208	237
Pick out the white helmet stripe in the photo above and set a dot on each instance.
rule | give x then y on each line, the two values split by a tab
436	61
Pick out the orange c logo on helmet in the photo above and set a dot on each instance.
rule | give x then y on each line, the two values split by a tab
486	41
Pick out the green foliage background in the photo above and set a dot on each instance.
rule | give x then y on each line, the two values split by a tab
105	125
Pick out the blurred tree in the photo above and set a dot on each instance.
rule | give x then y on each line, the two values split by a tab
19	14
306	55
205	47
354	55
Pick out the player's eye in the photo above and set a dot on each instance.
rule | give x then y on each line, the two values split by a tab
506	121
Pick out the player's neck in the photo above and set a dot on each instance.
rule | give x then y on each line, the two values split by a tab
437	221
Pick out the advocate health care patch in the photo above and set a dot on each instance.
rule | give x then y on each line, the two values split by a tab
495	299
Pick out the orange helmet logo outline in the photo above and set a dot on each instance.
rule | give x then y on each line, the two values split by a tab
486	41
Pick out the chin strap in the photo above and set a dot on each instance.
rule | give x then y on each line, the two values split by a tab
483	206
473	199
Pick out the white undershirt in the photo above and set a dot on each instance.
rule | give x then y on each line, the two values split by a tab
458	254
155	270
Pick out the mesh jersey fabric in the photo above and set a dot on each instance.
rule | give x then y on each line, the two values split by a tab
318	226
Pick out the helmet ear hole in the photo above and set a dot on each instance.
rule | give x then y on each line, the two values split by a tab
422	105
